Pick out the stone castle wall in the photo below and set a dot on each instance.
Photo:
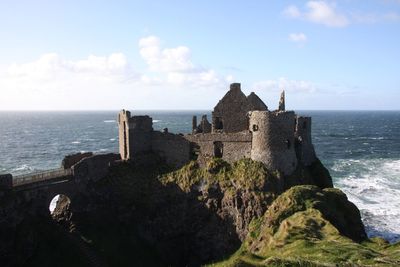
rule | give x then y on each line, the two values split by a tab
304	147
235	146
231	111
137	138
242	127
173	148
273	139
72	159
140	129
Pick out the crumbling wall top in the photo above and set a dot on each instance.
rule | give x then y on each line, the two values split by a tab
141	123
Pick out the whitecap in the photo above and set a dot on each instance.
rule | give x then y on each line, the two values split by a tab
112	139
156	121
75	142
109	121
374	186
23	167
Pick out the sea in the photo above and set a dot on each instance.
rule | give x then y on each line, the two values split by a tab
361	149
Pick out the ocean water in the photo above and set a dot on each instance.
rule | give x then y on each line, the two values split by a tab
361	149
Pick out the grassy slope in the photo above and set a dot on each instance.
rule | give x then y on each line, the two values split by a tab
295	232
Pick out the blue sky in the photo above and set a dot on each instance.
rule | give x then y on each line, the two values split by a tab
73	55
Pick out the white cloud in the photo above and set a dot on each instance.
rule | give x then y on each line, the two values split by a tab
292	86
176	66
164	60
320	12
298	37
326	14
110	82
50	66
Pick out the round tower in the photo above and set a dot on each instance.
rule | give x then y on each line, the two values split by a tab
273	141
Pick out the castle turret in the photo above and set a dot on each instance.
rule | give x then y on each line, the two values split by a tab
273	140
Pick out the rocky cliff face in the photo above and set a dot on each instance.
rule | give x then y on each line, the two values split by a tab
190	216
155	216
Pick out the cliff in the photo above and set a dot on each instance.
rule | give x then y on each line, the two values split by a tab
236	214
307	226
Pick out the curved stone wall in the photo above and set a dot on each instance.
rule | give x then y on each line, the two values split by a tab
273	139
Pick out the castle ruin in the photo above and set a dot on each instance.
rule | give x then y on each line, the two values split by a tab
241	127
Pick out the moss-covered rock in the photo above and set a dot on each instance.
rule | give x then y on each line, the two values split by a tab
308	226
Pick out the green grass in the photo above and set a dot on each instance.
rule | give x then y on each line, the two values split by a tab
299	229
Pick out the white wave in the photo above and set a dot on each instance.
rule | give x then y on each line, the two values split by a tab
103	149
112	139
374	186
156	120
23	167
109	121
75	142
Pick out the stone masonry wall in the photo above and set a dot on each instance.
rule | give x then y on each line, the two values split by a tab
175	149
235	145
139	131
232	110
304	147
72	159
94	168
273	140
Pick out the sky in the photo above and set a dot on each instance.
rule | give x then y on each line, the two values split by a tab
110	55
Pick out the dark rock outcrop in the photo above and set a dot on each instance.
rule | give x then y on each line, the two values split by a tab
150	215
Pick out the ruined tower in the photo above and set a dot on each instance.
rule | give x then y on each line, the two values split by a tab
134	134
273	140
282	101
